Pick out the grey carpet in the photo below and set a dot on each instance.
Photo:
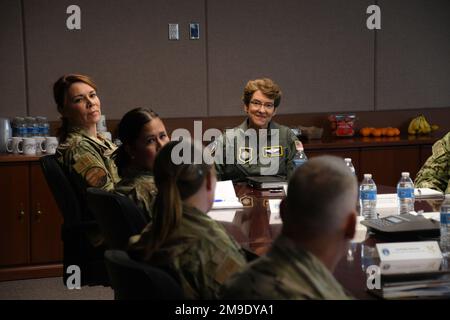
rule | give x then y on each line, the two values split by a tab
51	289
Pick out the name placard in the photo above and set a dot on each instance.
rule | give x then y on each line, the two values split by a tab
401	251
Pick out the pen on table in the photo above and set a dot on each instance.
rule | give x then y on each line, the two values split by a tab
218	200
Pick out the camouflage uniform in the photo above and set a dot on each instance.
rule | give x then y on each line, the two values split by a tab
247	161
435	173
139	186
285	272
88	160
201	254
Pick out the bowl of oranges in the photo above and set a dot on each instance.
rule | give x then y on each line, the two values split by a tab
379	132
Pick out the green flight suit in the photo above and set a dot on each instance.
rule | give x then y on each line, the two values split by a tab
139	186
435	173
284	273
201	254
250	157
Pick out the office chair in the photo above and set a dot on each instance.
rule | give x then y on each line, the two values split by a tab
77	248
118	217
132	280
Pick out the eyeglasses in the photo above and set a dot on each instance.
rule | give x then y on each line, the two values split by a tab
258	104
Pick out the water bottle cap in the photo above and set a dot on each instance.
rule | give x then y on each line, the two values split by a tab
405	174
367	176
348	159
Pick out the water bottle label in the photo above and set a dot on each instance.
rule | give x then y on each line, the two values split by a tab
22	131
403	193
444	218
298	162
368	195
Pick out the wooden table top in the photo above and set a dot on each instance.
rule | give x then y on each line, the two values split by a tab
251	228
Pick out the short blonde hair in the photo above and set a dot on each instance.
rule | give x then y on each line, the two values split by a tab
266	86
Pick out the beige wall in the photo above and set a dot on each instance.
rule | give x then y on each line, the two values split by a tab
319	51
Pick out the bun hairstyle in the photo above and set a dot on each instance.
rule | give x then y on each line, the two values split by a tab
129	129
60	89
175	183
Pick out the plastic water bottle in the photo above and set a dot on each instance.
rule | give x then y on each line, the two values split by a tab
349	164
43	126
300	155
405	194
445	226
368	197
21	127
32	127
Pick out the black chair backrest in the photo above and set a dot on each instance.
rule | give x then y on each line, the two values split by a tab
78	250
118	217
133	280
69	203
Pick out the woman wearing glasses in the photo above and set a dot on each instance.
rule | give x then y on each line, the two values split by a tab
258	146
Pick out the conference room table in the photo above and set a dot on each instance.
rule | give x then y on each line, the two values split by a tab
251	226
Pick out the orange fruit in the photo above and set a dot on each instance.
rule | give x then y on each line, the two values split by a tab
376	132
397	131
384	131
390	132
365	132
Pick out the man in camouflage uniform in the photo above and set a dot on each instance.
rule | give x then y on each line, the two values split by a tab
258	146
201	254
319	219
139	186
435	173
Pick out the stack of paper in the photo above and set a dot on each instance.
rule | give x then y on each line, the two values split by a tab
225	196
427	193
387	204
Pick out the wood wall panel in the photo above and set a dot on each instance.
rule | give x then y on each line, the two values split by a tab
387	164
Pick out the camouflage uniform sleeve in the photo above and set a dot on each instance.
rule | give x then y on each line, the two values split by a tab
435	173
290	143
89	165
205	268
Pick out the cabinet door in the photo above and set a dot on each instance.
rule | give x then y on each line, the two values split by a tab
14	214
46	220
387	164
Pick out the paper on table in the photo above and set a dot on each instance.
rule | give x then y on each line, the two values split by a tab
222	215
361	231
435	215
427	193
225	196
387	204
